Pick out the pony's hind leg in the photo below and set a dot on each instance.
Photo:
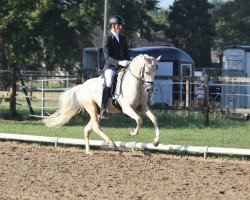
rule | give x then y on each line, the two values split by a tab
87	131
94	121
97	129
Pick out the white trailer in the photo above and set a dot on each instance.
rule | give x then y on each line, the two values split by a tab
236	63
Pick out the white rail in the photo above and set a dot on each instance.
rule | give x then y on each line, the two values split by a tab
43	89
132	145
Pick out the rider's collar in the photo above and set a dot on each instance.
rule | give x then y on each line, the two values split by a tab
116	35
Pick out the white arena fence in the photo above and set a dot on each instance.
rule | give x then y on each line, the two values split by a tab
205	150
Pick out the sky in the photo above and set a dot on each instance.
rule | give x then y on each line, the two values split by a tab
165	3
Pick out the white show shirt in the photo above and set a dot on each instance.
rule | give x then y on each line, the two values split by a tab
116	35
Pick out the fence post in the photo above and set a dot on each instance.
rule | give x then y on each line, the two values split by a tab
25	92
31	85
43	97
13	92
206	100
187	93
79	77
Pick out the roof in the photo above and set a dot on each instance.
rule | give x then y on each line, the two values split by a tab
245	48
167	53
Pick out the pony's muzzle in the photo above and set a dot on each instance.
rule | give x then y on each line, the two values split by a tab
148	85
149	88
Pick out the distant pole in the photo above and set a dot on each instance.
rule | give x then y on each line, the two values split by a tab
105	18
206	102
187	93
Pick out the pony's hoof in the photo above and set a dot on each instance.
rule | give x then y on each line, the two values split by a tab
112	145
156	142
132	133
89	153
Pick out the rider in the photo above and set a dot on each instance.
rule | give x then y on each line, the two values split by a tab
115	50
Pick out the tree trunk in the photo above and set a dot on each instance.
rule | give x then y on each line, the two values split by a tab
2	64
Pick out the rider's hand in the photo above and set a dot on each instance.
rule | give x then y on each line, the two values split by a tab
124	63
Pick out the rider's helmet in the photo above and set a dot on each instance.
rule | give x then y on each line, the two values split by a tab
116	20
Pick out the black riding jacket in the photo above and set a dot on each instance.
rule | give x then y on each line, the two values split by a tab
114	51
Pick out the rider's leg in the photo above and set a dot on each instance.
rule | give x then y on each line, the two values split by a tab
105	97
109	76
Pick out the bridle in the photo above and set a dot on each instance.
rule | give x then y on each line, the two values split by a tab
141	78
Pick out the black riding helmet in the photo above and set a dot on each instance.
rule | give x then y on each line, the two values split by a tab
116	20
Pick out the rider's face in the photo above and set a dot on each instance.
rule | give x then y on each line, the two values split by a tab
117	28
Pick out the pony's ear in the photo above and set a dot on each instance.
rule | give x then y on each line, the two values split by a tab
158	59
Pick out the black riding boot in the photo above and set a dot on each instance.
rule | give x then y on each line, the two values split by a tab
105	97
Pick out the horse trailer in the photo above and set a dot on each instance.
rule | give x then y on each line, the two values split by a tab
93	62
173	62
236	63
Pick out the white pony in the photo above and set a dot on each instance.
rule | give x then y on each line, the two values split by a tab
135	83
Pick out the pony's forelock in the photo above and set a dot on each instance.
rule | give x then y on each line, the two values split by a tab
149	57
143	58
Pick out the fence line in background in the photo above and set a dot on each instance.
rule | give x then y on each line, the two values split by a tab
43	91
16	75
185	101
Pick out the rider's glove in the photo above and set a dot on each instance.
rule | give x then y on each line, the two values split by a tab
124	63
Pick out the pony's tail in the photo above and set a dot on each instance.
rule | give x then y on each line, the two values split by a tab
68	106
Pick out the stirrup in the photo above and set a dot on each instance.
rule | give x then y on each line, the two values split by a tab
104	114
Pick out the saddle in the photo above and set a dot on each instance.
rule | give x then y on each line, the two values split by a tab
116	89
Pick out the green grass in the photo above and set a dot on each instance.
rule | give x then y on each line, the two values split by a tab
176	128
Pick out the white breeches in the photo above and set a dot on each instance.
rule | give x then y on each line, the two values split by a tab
109	76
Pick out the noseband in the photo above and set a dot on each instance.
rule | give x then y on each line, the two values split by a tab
141	78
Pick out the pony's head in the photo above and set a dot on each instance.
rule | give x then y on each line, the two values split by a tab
146	67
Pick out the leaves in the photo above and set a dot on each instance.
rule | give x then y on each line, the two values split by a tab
190	29
136	14
232	23
49	34
46	33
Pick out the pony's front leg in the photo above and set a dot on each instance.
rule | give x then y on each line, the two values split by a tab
130	112
153	119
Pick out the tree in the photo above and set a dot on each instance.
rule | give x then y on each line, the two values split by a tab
50	34
137	17
46	33
191	30
232	24
160	17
